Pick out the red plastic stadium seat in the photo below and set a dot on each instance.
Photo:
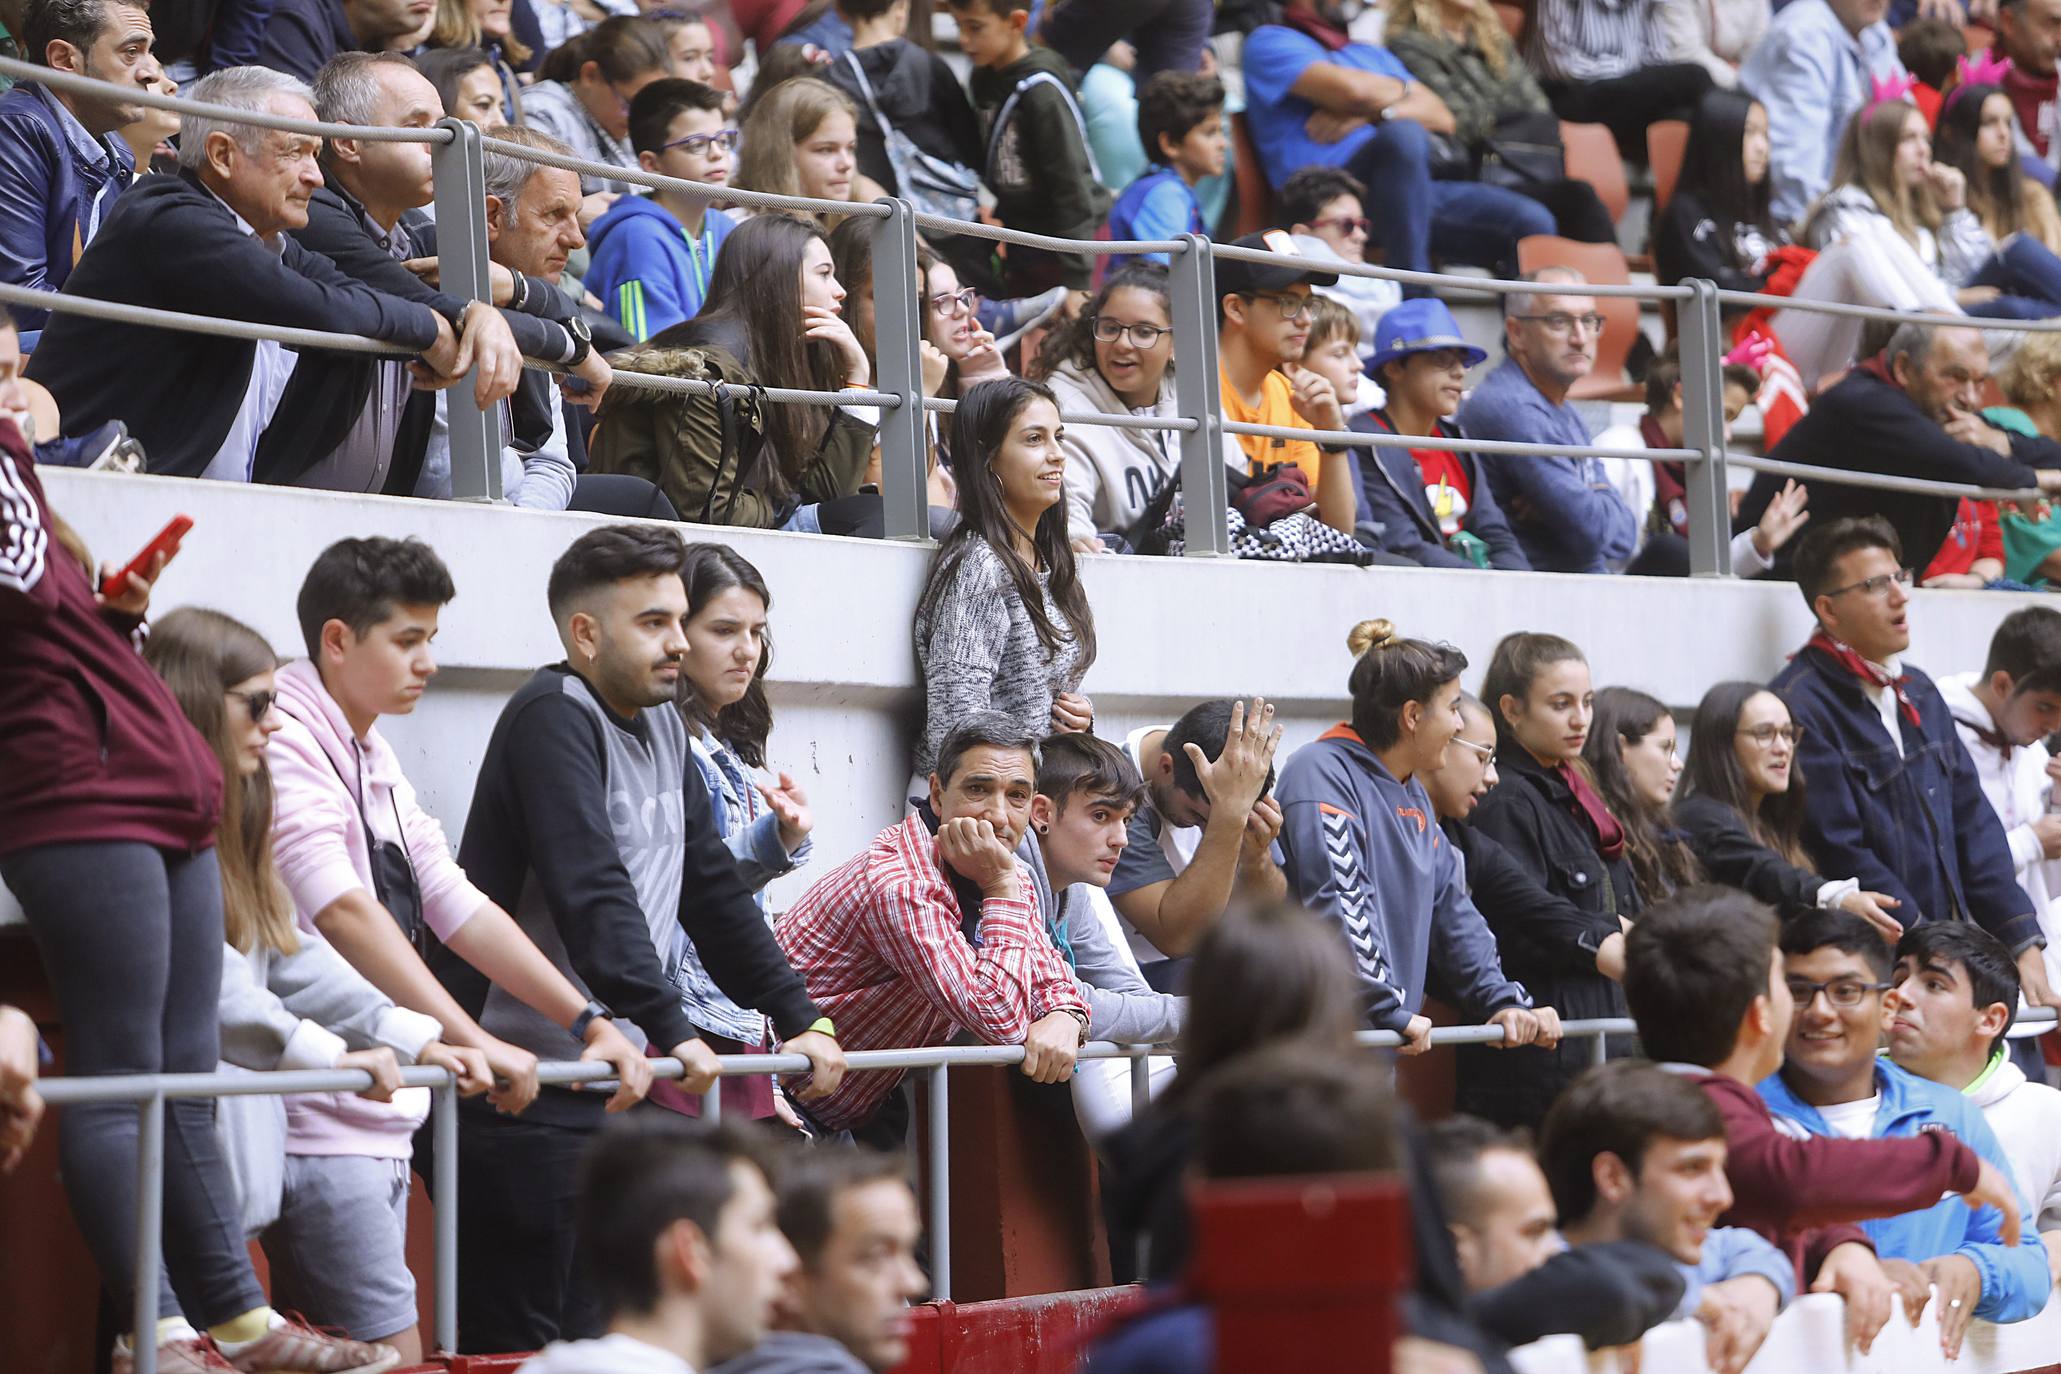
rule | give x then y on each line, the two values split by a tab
1667	141
1255	192
1593	156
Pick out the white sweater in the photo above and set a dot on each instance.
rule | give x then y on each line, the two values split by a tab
1953	255
2018	789
2026	1119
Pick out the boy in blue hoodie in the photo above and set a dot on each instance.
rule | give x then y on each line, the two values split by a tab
1833	1083
1181	124
652	255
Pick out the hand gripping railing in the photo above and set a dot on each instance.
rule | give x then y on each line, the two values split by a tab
151	1091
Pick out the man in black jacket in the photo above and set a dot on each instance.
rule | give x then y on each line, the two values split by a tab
1912	411
590	823
301	35
213	241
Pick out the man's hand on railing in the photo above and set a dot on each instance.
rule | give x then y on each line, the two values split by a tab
1416	1036
1520	1027
381	1064
1959	1284
1736	1315
21	1107
1050	1048
1852	1271
826	1065
494	350
588	382
515	1075
466	1065
698	1062
1911	1285
2032	983
607	1045
444	361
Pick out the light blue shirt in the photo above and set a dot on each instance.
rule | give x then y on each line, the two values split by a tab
1275	59
1733	1252
1813	76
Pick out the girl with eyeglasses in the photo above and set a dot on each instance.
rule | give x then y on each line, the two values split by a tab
1116	357
1633	753
1743	804
289	1001
1548	813
951	324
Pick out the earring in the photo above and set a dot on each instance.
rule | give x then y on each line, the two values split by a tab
1044	829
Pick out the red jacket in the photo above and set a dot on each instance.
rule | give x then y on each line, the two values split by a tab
1805	1194
92	744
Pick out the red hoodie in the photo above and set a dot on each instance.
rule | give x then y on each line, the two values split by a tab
1804	1195
92	744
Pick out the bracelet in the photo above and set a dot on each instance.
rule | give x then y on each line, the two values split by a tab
858	386
822	1026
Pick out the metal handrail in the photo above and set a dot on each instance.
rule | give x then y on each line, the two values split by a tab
1501	286
1879	481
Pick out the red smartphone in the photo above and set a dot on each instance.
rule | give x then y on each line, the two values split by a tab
166	543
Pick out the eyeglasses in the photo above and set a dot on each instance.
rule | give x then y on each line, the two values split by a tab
1877	586
1292	308
258	703
1766	735
958	302
1840	992
1561	323
1109	330
1345	224
1486	751
701	145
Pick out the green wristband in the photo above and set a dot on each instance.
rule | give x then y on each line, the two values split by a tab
822	1026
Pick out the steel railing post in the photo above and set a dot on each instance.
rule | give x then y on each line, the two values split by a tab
150	1216
1599	1047
712	1103
461	199
444	1203
898	363
940	1186
1204	494
1703	427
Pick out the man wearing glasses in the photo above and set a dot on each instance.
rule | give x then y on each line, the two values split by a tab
1914	410
1564	509
1832	1083
1895	800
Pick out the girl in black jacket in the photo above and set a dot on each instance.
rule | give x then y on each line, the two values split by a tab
1719	224
1548	814
1633	754
1743	807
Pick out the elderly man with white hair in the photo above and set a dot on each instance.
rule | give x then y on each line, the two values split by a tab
212	241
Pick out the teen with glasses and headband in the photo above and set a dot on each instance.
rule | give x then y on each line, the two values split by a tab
653	255
1567	514
1897	802
1116	358
1743	803
1835	1083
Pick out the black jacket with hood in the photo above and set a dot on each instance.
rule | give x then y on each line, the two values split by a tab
919	96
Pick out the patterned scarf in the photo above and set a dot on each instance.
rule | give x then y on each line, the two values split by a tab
1874	674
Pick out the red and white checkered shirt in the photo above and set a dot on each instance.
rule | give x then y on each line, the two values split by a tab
879	941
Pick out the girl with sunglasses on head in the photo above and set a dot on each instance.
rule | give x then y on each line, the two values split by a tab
1117	358
1743	804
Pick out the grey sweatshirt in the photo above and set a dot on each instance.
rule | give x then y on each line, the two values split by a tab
793	1352
1122	1006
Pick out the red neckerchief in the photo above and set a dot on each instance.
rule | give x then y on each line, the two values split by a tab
1874	674
1305	21
1589	806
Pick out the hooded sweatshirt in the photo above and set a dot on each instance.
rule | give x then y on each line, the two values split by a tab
1363	852
328	787
920	98
646	269
613	1354
1112	474
2015	1281
1037	160
2026	1119
793	1352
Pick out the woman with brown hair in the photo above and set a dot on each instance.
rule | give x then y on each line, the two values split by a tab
1634	755
483	28
801	139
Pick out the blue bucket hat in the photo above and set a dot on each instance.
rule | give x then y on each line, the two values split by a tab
1420	325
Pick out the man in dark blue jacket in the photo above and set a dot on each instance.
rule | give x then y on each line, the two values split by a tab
1894	799
301	35
61	165
213	240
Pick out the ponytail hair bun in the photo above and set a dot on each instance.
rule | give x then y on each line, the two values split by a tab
1370	634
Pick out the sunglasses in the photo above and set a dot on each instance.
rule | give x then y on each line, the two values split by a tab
258	703
1345	224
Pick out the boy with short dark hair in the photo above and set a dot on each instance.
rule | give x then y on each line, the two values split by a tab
652	254
1834	1084
1706	985
1037	161
1181	124
1324	209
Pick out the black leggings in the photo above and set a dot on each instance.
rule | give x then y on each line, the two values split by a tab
1628	103
131	938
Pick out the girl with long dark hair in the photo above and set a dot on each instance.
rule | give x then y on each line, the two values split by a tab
1719	223
1977	137
1004	623
1548	814
773	317
1633	752
1743	806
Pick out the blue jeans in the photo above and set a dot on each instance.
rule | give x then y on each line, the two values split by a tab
1411	213
2029	276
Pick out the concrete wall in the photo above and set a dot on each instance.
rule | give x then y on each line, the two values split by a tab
844	676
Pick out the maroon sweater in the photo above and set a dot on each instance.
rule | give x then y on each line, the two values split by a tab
1804	1195
94	747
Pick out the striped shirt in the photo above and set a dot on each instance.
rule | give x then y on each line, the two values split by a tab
880	941
1593	40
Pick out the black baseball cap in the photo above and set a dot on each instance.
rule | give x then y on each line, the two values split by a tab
1237	277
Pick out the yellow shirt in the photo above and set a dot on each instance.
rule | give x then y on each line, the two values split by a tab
1276	407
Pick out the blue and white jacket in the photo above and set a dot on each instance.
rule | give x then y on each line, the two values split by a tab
1365	853
2015	1281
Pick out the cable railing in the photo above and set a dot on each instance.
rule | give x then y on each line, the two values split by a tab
458	150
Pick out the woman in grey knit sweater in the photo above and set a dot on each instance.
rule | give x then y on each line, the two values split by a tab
1004	624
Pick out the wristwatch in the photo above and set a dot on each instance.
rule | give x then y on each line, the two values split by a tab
589	1014
583	340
